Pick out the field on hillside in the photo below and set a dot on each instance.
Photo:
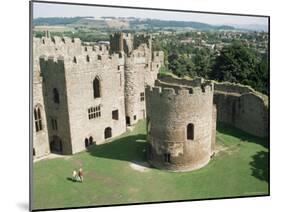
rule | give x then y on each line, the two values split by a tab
238	169
59	28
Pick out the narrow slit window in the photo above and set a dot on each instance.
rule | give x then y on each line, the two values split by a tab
38	119
190	131
96	87
56	96
167	158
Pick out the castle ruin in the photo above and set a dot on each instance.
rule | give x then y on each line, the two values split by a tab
84	94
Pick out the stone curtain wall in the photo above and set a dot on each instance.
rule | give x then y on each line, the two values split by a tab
242	107
238	105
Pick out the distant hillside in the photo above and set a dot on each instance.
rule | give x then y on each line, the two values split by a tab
112	22
55	21
189	24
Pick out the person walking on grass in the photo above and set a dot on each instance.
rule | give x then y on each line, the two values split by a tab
80	175
74	175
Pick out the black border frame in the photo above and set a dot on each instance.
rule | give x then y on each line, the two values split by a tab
31	103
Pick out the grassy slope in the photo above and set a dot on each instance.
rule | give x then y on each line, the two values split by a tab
240	169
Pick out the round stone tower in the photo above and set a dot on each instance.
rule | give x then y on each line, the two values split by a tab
181	124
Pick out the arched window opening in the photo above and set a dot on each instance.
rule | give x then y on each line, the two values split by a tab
107	133
96	86
91	140
190	131
85	49
86	142
38	119
99	57
88	58
56	96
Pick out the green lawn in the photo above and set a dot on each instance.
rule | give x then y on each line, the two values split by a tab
239	169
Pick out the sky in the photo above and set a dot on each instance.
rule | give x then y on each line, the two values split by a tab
63	10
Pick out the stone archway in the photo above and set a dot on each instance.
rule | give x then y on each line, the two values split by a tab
56	145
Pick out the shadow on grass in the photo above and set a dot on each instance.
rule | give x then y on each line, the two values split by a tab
243	136
259	166
71	179
133	148
129	148
259	163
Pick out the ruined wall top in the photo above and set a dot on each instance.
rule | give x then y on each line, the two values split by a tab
167	85
238	89
219	87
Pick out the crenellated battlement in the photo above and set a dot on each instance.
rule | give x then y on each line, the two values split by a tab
166	89
88	56
57	41
195	86
196	82
51	59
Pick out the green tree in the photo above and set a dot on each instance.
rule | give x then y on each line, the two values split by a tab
236	63
203	62
181	65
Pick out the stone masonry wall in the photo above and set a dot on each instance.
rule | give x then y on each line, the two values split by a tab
40	138
242	107
71	67
53	73
169	111
238	105
80	77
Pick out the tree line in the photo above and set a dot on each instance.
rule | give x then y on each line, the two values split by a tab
235	62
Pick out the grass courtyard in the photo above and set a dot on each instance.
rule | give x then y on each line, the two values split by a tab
240	168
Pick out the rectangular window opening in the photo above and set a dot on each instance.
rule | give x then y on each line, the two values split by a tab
94	112
142	96
115	115
167	158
